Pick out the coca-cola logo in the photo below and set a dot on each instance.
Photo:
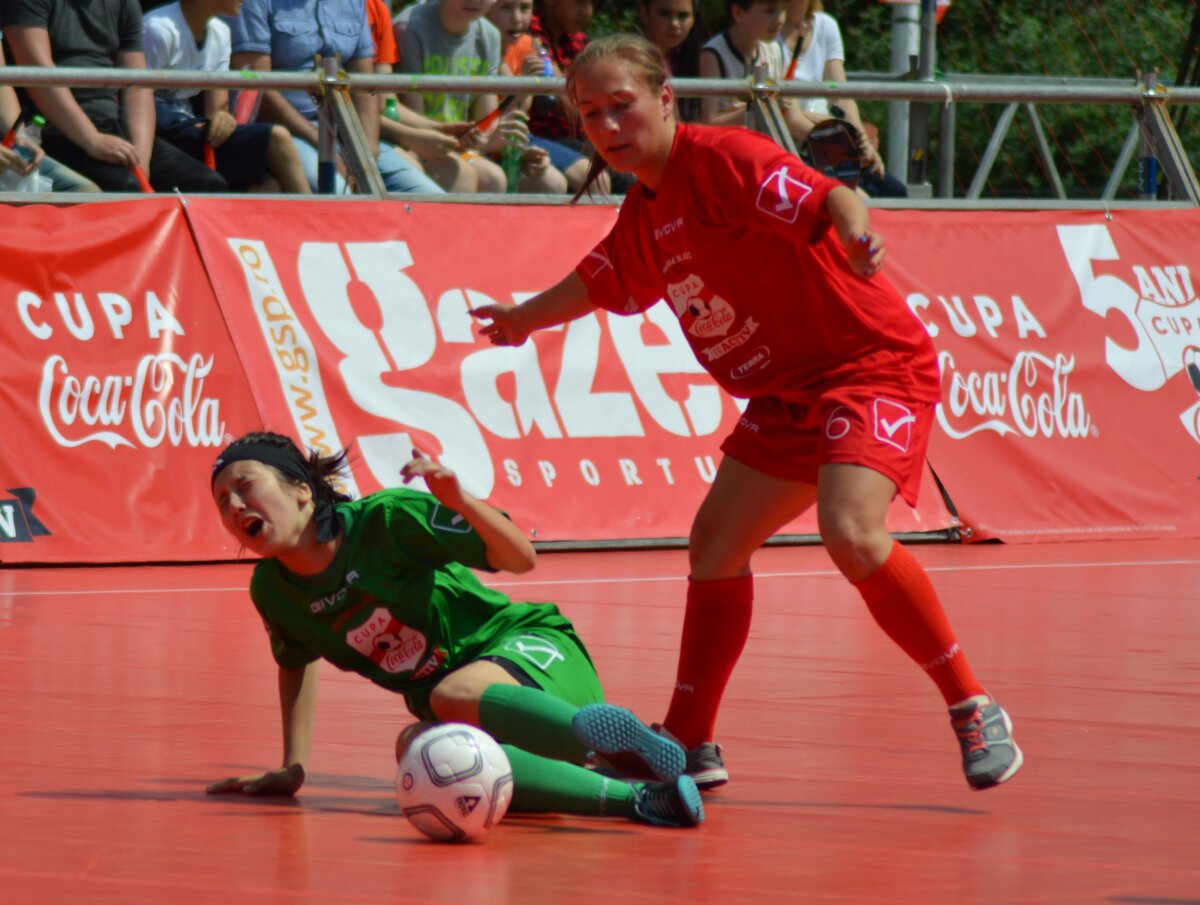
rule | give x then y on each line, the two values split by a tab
161	401
392	645
1032	398
715	322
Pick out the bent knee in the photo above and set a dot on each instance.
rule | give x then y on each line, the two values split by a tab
856	547
281	141
456	701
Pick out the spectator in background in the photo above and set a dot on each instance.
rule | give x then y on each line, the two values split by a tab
451	37
11	161
813	52
287	35
106	135
750	40
528	56
59	177
400	21
430	144
252	157
559	26
674	27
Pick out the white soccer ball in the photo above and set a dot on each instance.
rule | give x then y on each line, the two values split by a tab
454	782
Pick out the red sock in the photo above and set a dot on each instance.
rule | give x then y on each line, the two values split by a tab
715	626
904	603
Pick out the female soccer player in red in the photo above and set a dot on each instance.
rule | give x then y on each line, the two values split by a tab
773	270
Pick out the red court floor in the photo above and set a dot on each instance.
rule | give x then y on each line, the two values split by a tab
126	690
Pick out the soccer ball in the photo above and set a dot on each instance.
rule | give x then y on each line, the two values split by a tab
454	782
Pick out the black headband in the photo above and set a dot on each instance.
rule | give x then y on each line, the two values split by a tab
287	460
290	462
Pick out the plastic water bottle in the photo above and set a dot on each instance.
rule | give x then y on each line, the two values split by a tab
510	162
11	180
547	64
544	104
391	111
33	131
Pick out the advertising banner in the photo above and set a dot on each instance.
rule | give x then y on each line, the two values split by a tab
119	386
353	322
1068	345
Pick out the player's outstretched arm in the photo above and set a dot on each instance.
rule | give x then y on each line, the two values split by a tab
510	325
297	702
507	548
852	221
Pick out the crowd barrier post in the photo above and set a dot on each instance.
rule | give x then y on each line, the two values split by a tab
1161	147
765	112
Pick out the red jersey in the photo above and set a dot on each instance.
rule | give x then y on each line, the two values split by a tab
737	241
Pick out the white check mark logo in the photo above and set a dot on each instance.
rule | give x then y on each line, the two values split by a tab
890	427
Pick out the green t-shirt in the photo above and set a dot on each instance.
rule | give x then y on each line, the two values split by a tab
399	604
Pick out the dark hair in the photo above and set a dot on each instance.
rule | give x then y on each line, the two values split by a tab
683	62
640	54
321	471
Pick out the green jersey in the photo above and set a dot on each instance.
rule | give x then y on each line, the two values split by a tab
399	604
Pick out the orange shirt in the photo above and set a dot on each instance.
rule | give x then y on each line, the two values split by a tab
386	50
517	52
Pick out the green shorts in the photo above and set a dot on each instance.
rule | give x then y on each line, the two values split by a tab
555	661
546	658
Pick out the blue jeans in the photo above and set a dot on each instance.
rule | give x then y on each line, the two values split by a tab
63	179
398	174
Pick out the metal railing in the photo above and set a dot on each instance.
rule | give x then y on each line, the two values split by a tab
1143	101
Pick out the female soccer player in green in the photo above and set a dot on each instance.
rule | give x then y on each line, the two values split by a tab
382	586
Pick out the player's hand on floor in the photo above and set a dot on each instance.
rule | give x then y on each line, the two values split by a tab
285	781
441	481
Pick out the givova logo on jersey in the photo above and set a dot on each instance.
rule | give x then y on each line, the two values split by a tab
701	312
393	646
17	522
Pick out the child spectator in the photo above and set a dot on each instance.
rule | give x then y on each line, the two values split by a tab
750	40
528	56
451	37
813	52
253	157
674	27
106	136
286	35
416	136
559	25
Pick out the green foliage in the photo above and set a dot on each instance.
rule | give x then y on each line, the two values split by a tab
1111	39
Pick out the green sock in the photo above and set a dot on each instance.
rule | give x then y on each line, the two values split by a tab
531	719
542	785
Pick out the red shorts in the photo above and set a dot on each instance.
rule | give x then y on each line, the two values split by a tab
851	425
